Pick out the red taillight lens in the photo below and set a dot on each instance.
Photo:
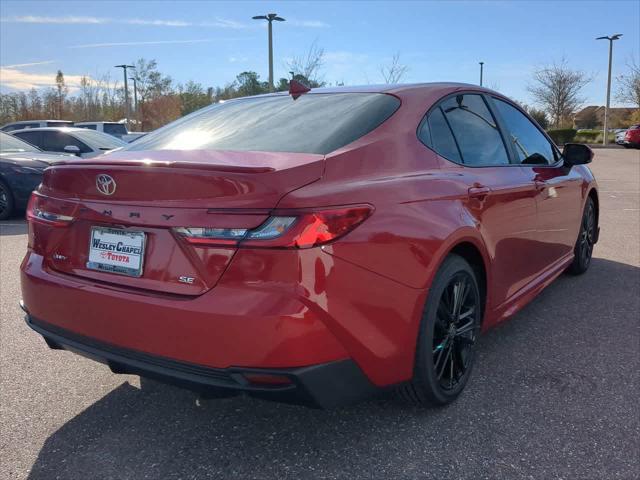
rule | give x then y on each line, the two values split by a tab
39	211
290	229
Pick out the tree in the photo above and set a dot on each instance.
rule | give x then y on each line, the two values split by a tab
538	115
306	68
150	82
62	92
556	88
394	72
629	85
193	97
249	84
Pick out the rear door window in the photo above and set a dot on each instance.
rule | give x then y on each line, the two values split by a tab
475	130
34	138
436	133
56	141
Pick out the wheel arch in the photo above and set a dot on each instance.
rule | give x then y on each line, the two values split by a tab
470	246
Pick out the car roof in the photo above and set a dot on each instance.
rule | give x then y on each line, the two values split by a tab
38	121
48	129
97	123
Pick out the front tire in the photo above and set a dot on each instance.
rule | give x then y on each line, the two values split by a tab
583	249
6	201
448	332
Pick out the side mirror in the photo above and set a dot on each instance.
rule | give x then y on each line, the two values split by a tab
72	149
576	154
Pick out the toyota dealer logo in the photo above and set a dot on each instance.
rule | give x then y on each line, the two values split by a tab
105	184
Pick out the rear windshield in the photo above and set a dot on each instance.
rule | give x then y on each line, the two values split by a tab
314	123
59	124
115	128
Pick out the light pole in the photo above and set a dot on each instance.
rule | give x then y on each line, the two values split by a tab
135	99
481	71
126	91
606	108
270	18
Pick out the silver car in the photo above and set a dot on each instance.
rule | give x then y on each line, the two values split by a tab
78	141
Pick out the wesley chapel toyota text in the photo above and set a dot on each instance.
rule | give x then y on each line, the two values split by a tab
312	247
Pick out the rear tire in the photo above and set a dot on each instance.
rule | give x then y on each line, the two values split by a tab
448	332
6	201
583	249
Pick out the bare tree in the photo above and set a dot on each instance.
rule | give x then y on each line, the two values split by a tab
306	67
556	88
629	84
394	72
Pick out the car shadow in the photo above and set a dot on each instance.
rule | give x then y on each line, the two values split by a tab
541	383
13	226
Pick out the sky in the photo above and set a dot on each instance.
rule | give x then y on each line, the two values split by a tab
212	41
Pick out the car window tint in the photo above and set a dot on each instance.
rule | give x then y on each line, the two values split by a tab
311	123
33	138
89	127
115	128
530	145
56	141
441	138
475	130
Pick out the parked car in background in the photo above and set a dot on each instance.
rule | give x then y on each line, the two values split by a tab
620	136
632	137
316	247
77	141
9	127
117	129
21	167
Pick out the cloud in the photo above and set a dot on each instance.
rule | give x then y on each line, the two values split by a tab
151	42
13	77
83	20
56	20
308	23
19	65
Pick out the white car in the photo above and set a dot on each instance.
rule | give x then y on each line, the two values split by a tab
117	129
78	141
9	127
620	136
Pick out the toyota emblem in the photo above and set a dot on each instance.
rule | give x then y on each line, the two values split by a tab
105	184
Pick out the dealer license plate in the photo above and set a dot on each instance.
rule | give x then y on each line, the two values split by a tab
116	251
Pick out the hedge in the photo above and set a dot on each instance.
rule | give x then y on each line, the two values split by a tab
562	135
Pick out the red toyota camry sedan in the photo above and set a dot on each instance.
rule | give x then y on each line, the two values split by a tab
315	247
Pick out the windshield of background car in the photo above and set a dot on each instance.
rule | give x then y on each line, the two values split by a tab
313	123
99	140
11	144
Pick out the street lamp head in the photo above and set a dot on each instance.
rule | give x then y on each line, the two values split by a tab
611	38
278	19
260	17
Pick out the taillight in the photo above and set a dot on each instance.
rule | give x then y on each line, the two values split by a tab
37	211
290	229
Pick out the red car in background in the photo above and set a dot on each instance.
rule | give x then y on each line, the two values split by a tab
313	248
632	137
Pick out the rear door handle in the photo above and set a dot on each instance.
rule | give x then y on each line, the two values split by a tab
479	191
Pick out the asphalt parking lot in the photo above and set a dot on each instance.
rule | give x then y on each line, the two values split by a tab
554	394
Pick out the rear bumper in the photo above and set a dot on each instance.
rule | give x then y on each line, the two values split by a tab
322	386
